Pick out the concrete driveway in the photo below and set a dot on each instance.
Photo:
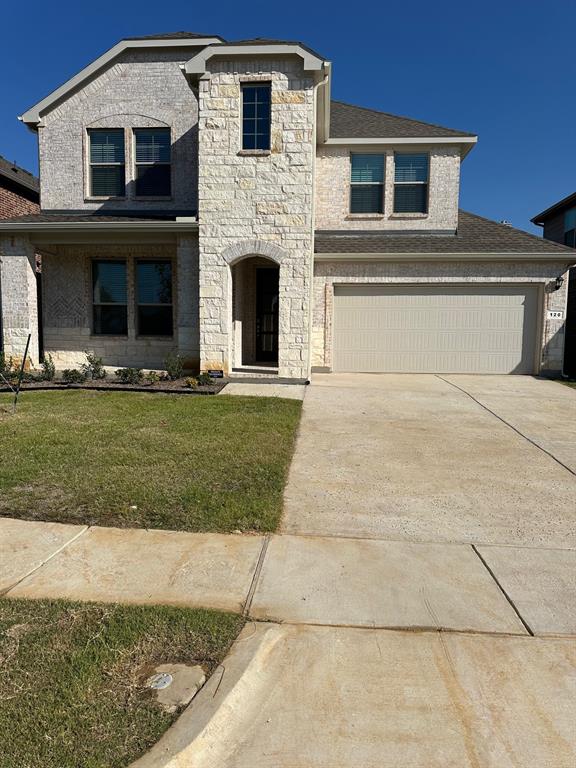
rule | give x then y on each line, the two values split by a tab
476	459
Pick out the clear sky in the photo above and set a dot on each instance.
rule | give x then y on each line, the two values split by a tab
504	70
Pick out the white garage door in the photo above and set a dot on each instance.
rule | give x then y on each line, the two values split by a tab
435	329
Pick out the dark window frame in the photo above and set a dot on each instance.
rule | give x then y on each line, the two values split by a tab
379	208
98	305
253	121
115	164
424	185
151	164
139	304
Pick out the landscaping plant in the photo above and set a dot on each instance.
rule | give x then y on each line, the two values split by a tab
174	365
73	376
93	367
130	375
48	369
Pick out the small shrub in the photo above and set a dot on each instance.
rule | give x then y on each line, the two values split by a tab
130	375
174	366
152	377
73	376
93	367
7	367
48	369
204	380
191	382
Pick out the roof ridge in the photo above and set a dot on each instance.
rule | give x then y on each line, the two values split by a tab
402	117
508	227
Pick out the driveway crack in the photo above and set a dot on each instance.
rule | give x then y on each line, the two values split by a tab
507	423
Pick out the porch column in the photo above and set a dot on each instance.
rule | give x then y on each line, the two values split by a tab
187	317
18	293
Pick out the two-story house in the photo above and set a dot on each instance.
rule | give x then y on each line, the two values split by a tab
209	198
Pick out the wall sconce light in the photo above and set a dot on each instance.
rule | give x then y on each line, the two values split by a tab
558	283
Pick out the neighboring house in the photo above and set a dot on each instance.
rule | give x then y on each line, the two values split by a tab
559	222
19	195
209	197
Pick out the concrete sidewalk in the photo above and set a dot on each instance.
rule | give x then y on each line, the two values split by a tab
304	580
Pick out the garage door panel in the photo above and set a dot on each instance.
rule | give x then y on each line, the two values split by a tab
443	329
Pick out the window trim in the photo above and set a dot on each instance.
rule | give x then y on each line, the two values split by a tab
426	183
135	164
90	195
93	331
255	84
138	304
381	184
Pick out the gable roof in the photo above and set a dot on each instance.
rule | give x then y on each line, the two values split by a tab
475	235
559	207
350	121
33	116
20	176
174	36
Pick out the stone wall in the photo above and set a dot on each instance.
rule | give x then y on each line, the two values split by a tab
256	204
333	190
67	307
18	298
139	89
327	273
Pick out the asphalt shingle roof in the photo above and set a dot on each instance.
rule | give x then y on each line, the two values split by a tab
111	216
172	36
475	234
19	175
349	121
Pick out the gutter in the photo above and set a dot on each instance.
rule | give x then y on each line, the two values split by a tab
469	256
102	226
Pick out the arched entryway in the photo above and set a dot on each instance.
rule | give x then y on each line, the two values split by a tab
255	319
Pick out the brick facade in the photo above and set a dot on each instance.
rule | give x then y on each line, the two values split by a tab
14	203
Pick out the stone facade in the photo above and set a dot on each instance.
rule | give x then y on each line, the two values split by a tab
140	89
328	273
256	204
67	307
333	190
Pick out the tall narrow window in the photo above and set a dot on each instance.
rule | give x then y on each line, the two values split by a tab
154	292
107	174
367	187
256	115
410	183
152	162
109	298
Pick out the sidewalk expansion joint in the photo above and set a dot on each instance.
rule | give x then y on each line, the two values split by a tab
507	423
506	595
35	570
256	576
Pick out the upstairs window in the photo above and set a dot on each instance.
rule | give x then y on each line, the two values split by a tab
367	184
153	168
570	228
256	115
154	292
410	183
107	172
110	304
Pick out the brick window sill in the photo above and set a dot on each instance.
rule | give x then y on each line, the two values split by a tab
364	216
408	215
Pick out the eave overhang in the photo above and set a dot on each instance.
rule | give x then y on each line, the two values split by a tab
196	66
103	232
32	117
466	143
471	256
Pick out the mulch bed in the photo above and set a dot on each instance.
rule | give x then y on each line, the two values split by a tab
166	387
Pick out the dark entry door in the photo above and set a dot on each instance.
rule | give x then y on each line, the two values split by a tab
267	315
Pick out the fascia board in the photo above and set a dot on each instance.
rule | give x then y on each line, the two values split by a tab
558	257
197	64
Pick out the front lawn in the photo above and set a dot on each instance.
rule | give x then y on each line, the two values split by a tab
72	683
144	460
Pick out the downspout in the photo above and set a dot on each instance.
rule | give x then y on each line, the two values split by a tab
324	83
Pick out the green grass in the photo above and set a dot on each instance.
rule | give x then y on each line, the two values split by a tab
185	462
72	678
570	383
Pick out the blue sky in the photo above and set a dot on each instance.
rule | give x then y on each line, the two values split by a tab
505	70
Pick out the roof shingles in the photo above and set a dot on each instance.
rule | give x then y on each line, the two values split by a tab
475	234
351	122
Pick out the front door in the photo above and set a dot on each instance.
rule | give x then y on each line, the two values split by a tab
267	315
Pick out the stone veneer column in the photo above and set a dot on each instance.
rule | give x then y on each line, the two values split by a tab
258	199
187	305
19	298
